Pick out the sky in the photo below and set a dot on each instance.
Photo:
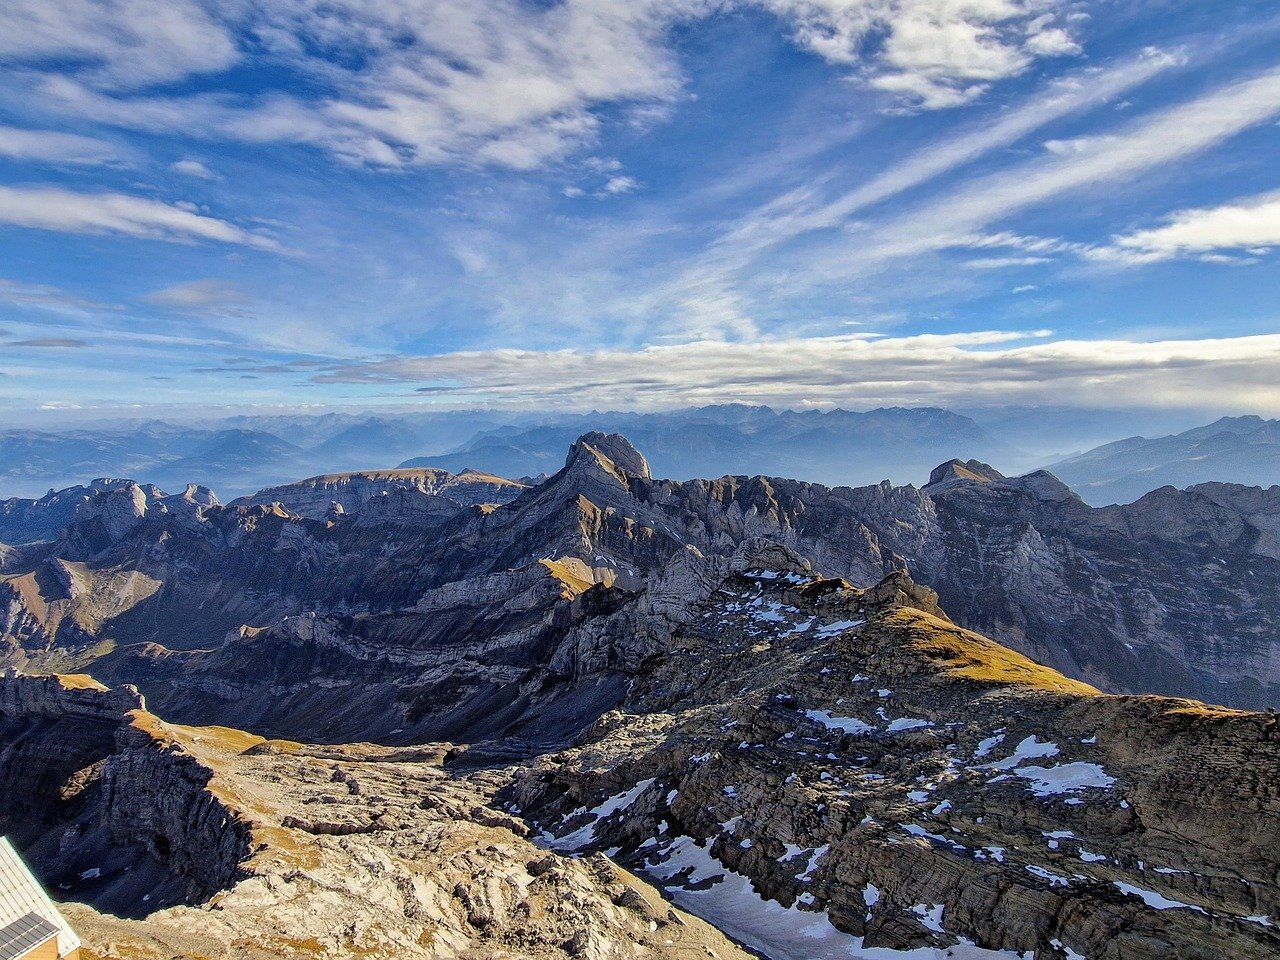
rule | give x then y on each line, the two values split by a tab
568	204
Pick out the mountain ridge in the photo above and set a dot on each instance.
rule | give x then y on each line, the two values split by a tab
1243	450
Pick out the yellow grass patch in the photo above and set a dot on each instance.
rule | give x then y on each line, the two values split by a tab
80	681
573	573
971	656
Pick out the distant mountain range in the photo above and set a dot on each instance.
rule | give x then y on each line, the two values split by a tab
238	456
839	447
1242	450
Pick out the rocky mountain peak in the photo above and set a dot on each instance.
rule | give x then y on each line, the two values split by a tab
1043	485
963	470
898	590
614	448
200	495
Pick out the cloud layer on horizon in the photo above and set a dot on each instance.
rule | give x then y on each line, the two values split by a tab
990	367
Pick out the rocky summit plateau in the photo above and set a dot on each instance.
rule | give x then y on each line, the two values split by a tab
414	713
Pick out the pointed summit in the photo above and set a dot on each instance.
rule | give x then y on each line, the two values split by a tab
613	448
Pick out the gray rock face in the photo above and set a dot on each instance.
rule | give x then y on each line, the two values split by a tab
85	776
614	448
556	596
119	502
816	769
806	763
352	492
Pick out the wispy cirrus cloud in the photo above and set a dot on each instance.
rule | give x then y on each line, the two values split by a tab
47	297
52	146
496	82
1162	137
715	289
68	211
210	295
54	343
116	44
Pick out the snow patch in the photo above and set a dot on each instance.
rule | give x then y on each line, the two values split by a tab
587	832
1155	900
1065	778
843	724
906	723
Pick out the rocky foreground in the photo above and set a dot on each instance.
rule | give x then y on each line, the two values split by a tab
814	769
230	845
570	723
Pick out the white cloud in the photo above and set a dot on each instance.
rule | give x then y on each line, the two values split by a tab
1251	225
1151	141
1076	145
19	294
53	146
1003	263
614	186
116	44
620	184
453	81
52	208
971	368
193	168
210	295
498	82
932	53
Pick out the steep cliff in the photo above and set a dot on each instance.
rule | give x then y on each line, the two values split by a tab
105	798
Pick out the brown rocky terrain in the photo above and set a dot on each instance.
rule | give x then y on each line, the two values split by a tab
825	750
1178	593
221	844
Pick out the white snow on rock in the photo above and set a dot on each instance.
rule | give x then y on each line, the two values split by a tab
793	850
1062	778
1065	778
700	884
1155	900
831	629
1029	749
843	724
586	833
1055	879
987	745
1067	951
906	723
930	916
814	859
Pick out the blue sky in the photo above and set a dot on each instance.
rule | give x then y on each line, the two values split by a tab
637	203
